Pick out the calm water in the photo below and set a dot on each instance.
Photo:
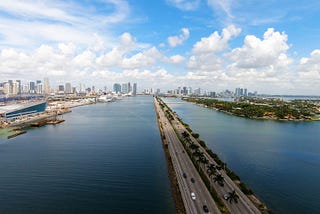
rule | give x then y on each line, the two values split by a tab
279	161
106	158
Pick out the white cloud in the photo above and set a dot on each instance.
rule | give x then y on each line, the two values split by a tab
257	53
309	71
85	60
185	5
176	59
142	59
178	40
204	62
67	49
31	23
224	5
215	42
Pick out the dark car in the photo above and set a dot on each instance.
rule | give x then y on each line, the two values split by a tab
205	209
184	175
192	180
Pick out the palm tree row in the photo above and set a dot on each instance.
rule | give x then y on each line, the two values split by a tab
211	169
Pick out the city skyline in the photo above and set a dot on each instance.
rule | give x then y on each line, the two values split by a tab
213	45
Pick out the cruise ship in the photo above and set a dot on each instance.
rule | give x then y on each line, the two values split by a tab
22	109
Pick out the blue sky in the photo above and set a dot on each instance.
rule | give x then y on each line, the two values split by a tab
265	46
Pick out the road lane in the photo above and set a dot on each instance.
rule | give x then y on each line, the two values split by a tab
183	164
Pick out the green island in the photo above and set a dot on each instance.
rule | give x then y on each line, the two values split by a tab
264	108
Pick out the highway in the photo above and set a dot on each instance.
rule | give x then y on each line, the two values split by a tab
185	170
244	204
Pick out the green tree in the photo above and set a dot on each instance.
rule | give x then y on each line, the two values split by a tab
233	196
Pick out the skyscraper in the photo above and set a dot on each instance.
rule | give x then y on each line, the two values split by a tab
68	89
124	88
32	87
46	85
134	89
117	87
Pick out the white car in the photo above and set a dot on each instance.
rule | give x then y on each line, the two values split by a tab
193	196
226	196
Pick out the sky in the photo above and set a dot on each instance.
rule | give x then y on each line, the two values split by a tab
269	46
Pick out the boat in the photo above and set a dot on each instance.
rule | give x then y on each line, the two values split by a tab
106	98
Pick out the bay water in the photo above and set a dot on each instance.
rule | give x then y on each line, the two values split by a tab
279	161
105	158
108	158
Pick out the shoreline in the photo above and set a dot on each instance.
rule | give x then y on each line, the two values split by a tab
265	117
54	110
245	190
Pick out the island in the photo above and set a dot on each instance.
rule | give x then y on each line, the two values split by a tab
264	108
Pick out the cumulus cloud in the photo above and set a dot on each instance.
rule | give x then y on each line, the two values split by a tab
216	42
257	53
309	71
185	5
178	40
142	59
176	59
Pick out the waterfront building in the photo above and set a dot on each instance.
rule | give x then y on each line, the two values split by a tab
40	89
197	91
124	88
212	94
18	86
61	89
1	88
117	87
129	87
7	88
22	109
134	89
67	88
32	87
46	85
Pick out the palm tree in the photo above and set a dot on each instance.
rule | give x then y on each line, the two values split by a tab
233	196
193	146
204	160
185	134
211	167
219	178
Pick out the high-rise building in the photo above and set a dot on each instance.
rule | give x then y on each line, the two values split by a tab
61	89
7	89
46	85
197	91
68	89
117	87
124	88
40	88
184	90
32	87
129	87
18	86
134	89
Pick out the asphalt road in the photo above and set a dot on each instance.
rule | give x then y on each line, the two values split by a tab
183	165
244	204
